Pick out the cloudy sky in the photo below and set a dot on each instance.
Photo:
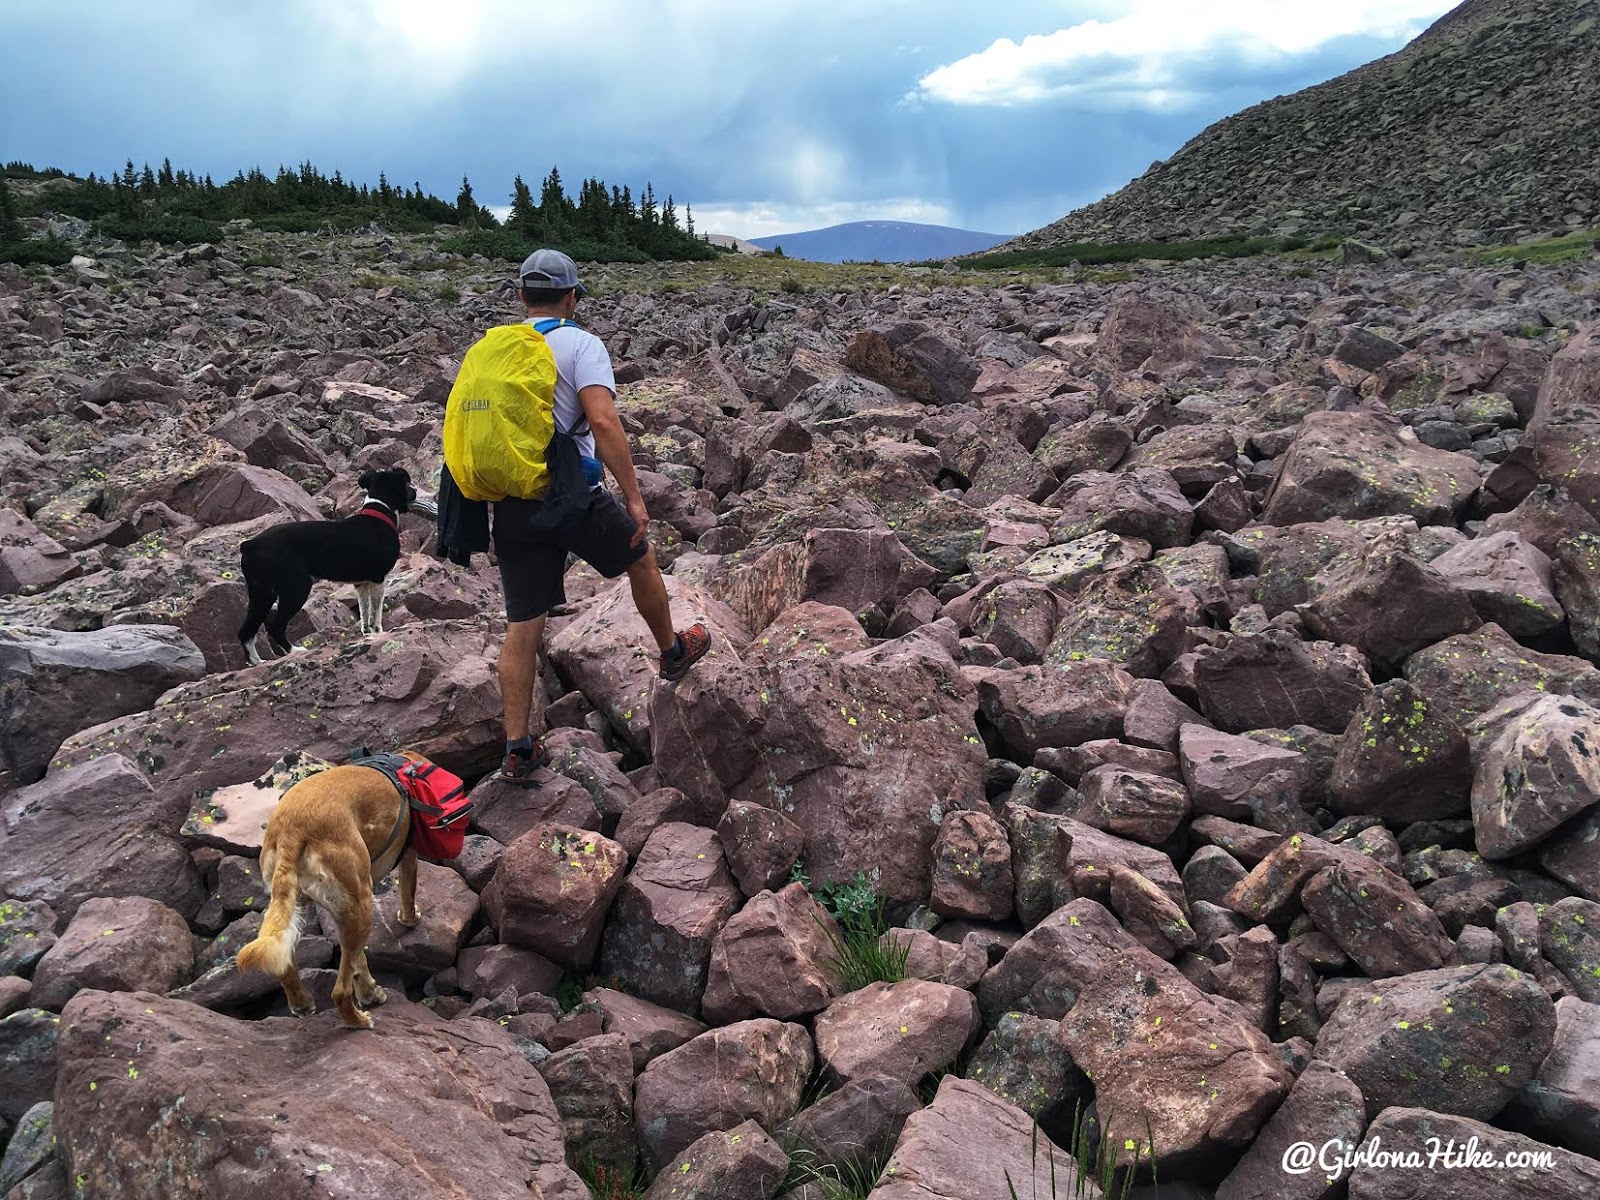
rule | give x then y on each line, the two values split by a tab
766	116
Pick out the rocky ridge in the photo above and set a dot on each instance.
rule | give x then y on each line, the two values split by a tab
1479	131
1204	667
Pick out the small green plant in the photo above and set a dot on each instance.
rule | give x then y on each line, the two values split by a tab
262	259
861	953
569	992
449	293
611	1183
790	284
855	905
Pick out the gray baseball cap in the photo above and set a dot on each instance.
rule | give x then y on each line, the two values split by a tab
548	268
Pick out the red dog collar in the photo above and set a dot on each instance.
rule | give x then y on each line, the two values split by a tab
382	516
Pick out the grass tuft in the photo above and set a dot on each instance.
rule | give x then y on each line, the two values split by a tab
1097	1163
861	953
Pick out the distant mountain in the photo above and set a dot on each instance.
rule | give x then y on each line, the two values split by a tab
729	242
1482	129
881	241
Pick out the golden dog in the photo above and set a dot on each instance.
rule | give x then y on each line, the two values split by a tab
332	835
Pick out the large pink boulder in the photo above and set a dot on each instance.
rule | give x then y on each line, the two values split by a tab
98	829
864	751
261	1122
1493	1023
904	1030
772	959
552	891
30	560
127	944
751	1071
969	1144
1356	464
1564	431
866	572
610	656
667	915
1146	1035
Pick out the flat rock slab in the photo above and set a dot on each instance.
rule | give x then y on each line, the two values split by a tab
1470	673
234	818
58	682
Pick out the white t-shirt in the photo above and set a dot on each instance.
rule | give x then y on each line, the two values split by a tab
581	360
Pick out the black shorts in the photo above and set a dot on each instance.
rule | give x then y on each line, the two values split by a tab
533	572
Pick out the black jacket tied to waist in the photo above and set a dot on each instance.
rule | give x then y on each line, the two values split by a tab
463	524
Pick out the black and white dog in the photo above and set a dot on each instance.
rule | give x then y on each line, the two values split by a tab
281	564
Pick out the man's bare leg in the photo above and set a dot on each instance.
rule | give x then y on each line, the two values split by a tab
519	666
650	598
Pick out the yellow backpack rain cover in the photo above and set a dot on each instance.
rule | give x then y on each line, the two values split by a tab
501	415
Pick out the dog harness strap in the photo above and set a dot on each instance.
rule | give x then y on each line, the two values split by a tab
382	516
387	765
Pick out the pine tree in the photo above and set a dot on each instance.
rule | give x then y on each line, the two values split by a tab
553	206
385	192
165	178
688	219
10	225
524	216
466	206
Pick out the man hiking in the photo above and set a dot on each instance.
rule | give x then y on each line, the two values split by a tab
610	536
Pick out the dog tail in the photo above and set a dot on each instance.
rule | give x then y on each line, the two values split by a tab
273	949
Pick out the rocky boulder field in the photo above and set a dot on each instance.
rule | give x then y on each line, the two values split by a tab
1201	663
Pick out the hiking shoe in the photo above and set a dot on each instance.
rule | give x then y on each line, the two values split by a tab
520	762
693	643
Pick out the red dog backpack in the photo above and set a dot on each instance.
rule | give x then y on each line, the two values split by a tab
439	803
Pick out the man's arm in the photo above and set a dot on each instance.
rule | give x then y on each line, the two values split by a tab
611	444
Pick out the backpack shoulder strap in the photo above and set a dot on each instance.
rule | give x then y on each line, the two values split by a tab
581	426
548	323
